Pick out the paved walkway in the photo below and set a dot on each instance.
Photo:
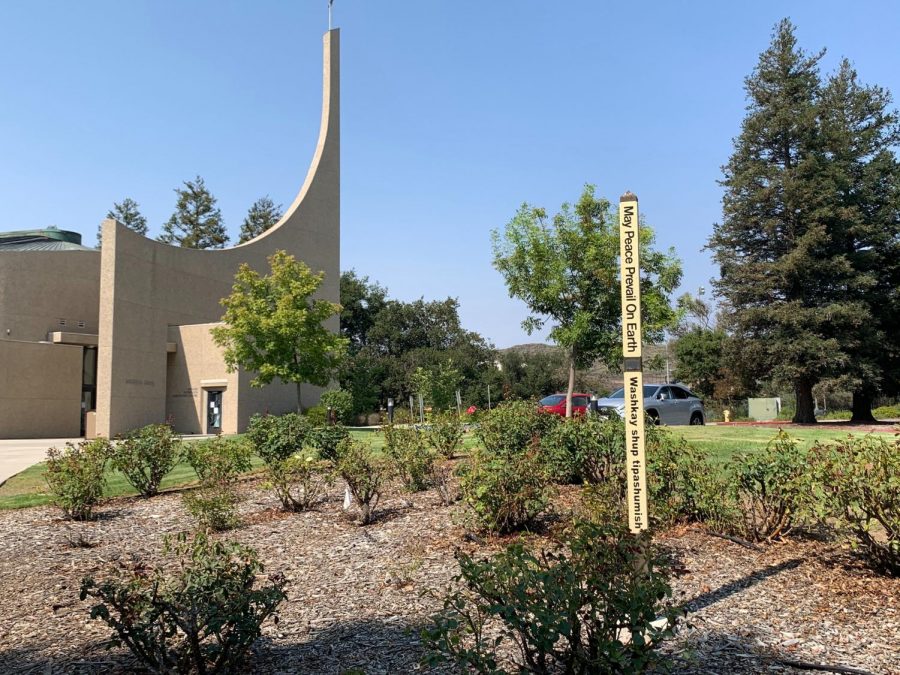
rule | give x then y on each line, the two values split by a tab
18	455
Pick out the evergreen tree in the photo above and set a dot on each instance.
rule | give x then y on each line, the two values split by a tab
858	133
791	290
197	222
127	213
261	216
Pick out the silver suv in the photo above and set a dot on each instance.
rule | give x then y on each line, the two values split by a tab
664	403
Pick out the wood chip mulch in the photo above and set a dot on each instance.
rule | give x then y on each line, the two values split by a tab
356	602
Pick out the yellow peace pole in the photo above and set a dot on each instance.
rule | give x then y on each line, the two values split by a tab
635	462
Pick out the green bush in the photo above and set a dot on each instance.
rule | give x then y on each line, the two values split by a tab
300	481
277	437
585	448
887	412
562	612
684	486
341	403
411	459
76	476
514	427
213	505
218	463
505	493
326	440
445	433
218	456
200	617
146	455
364	474
858	482
773	488
317	416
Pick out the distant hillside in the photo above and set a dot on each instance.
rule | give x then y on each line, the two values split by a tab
598	377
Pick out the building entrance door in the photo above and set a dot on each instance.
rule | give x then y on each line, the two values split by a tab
214	411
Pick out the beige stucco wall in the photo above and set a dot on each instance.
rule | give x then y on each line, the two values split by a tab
38	288
146	286
40	390
197	359
197	366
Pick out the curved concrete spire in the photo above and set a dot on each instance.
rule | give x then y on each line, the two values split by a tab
147	286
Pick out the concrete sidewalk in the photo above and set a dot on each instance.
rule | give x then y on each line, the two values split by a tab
18	455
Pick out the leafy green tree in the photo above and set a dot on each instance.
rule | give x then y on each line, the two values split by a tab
566	271
360	303
274	327
797	221
263	214
127	213
698	354
197	221
859	132
529	374
438	384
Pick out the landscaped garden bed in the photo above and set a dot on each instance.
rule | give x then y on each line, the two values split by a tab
355	594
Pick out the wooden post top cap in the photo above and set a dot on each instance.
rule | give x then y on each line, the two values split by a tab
628	197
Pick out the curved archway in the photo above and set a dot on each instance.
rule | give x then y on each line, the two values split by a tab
147	286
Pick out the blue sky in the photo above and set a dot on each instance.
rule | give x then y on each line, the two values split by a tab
453	114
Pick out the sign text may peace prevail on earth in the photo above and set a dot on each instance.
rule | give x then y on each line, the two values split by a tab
631	350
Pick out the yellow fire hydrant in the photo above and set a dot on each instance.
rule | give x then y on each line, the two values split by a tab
727	415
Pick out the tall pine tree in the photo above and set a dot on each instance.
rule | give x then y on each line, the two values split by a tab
127	213
858	133
262	215
197	222
789	284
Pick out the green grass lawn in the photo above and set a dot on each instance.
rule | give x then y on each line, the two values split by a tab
722	442
29	488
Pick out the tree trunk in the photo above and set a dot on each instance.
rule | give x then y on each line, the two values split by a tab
299	400
862	407
805	413
571	388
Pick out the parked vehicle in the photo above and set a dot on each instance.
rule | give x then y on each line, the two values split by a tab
664	404
556	404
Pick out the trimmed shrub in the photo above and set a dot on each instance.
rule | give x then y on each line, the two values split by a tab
300	481
684	486
364	474
341	403
277	437
561	612
76	477
513	427
326	440
887	412
505	493
213	505
412	461
146	455
585	448
773	488
218	463
201	617
317	416
445	433
858	481
218	456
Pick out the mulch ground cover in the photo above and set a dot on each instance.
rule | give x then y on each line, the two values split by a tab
356	601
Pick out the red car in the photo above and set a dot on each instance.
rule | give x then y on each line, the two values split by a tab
556	404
